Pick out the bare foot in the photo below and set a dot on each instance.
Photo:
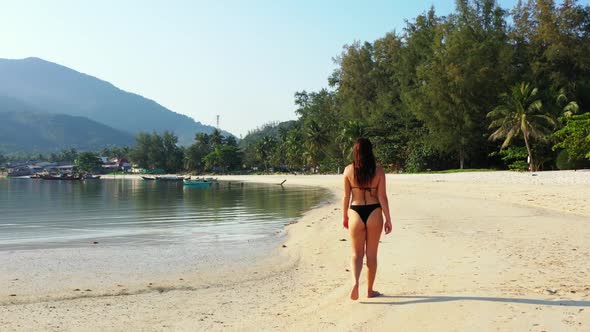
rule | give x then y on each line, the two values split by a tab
354	293
373	293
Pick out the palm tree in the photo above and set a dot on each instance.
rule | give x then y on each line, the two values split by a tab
316	139
202	139
293	148
216	138
351	130
265	148
520	114
568	107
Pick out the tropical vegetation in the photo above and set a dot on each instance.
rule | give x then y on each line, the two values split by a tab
484	87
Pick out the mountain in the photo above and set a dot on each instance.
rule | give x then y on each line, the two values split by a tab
52	88
23	130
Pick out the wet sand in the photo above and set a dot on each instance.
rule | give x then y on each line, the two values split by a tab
487	251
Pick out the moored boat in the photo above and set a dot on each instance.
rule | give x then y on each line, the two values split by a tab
170	178
64	177
197	183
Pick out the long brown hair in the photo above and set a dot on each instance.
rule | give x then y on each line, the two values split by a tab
363	162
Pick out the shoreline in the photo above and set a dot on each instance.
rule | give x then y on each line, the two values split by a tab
479	246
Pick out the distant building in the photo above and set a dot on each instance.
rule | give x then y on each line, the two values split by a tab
123	163
110	167
45	164
19	171
36	169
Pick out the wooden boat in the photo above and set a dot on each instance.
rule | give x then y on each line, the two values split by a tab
197	183
170	178
149	178
64	177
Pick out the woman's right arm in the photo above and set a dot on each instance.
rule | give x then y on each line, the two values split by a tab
382	195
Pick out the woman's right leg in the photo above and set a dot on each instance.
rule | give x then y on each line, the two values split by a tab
357	237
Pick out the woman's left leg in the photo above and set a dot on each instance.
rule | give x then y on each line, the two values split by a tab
374	229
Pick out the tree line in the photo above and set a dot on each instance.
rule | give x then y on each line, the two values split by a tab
483	87
209	153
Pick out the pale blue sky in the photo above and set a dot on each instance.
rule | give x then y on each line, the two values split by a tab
243	60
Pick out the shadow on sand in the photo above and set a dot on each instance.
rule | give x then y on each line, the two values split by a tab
433	299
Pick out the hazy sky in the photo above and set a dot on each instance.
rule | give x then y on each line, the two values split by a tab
243	60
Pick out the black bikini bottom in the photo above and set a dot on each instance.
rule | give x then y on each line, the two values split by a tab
364	211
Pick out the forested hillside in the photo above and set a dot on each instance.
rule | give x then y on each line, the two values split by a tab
29	132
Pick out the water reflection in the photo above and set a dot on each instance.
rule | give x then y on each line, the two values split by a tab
37	212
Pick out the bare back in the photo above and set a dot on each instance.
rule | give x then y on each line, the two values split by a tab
363	195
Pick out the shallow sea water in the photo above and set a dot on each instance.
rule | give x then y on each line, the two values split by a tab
38	214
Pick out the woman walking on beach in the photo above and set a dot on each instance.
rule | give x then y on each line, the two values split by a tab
364	204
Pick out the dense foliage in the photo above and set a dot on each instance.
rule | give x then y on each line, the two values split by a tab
25	131
158	151
88	162
213	153
484	87
443	92
575	137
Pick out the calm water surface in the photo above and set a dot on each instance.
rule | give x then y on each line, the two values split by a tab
40	213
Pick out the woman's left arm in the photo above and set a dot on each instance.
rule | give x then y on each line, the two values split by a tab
382	196
345	200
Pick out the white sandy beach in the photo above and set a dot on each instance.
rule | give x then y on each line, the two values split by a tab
496	251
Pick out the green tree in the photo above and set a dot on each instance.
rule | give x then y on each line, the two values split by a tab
563	106
216	138
115	152
213	152
197	151
294	148
351	130
140	153
68	155
158	151
459	81
316	139
223	158
173	154
520	114
575	137
88	162
265	149
357	89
